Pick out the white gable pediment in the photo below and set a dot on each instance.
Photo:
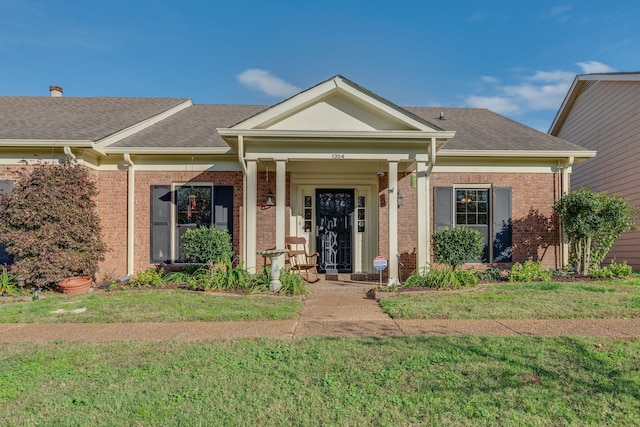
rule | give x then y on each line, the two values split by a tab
335	105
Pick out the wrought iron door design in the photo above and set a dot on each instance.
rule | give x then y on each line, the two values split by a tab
334	223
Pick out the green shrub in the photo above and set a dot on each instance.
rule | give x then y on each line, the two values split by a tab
491	274
457	245
530	271
207	244
563	272
613	271
442	278
292	284
50	226
8	283
150	277
220	276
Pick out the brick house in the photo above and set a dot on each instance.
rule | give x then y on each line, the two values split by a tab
353	173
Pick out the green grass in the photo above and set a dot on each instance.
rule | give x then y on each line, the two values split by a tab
572	300
440	381
149	305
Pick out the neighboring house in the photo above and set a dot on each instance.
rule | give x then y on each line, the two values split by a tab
354	174
602	112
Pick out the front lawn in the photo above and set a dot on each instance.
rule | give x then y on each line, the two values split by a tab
569	300
440	381
148	305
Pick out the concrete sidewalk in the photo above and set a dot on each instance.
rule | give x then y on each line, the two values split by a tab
326	312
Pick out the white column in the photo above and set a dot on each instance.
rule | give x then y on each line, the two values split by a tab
281	200
423	217
393	222
251	228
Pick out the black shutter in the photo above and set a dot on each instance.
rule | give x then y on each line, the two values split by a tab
160	223
223	208
6	187
443	207
502	224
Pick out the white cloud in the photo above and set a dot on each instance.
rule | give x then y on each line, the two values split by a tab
590	67
264	81
542	90
499	104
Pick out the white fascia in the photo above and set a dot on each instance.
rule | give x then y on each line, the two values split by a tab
267	134
168	151
105	142
518	153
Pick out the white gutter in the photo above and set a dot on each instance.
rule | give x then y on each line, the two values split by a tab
130	213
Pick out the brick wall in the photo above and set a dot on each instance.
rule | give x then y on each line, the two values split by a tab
144	181
112	210
535	233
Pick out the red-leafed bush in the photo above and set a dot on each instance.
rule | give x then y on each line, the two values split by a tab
49	224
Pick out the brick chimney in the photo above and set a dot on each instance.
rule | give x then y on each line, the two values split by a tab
55	90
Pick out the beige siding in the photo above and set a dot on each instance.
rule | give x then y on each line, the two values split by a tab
606	118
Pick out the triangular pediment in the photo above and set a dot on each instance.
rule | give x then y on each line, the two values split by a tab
336	105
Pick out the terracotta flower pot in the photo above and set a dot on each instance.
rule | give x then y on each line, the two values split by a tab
76	285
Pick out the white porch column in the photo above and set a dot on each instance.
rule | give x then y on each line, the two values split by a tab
251	228
393	222
281	200
423	217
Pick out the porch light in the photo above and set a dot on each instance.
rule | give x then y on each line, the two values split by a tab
400	199
269	201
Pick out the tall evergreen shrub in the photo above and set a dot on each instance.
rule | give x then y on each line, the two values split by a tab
49	224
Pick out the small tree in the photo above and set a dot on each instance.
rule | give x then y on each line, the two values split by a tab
593	222
50	226
454	246
207	244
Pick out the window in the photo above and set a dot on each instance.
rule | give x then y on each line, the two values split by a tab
194	206
472	207
487	210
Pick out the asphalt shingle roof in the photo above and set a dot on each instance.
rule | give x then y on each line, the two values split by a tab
482	129
192	127
75	118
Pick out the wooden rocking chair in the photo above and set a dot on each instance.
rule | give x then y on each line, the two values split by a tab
300	261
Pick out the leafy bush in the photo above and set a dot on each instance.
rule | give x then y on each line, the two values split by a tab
613	271
491	274
563	272
530	271
292	284
443	278
593	222
150	277
220	276
207	244
454	246
8	283
50	226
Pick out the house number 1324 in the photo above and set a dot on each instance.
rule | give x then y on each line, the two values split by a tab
337	156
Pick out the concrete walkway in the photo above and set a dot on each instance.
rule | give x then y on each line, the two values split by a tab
331	310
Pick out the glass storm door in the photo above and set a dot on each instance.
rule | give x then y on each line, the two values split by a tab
334	219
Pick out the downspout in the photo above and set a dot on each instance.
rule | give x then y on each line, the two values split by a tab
69	153
244	195
564	189
130	212
432	160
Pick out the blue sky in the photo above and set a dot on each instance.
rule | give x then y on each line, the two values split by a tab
517	58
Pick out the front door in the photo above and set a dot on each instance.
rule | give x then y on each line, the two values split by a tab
334	224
